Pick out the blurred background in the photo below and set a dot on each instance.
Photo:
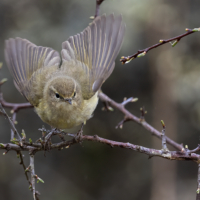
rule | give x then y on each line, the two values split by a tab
166	81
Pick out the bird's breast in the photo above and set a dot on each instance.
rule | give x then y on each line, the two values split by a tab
65	116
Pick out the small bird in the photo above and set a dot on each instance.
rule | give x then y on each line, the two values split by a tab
64	91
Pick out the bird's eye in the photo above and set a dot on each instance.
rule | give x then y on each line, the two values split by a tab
57	95
74	94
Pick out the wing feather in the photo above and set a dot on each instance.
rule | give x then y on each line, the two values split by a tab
94	51
25	60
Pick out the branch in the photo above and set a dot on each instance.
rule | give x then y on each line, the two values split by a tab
31	147
32	169
13	129
23	165
170	155
26	170
130	117
140	53
163	137
198	183
98	3
15	107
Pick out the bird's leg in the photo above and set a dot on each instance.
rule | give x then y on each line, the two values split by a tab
79	134
48	137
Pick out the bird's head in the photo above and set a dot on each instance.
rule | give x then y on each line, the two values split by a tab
63	90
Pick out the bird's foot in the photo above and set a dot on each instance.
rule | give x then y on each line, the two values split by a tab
79	134
47	142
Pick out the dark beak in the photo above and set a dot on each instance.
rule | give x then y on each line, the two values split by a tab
69	101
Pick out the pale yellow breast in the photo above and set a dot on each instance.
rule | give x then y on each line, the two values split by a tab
66	117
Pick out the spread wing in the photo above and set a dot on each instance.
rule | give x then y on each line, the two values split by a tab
26	63
90	56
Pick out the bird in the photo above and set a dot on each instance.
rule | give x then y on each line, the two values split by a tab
64	89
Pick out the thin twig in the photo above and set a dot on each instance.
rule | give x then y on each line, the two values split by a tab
11	123
33	177
23	165
15	107
121	123
143	52
194	150
198	183
142	113
163	137
26	170
14	120
98	3
32	169
129	100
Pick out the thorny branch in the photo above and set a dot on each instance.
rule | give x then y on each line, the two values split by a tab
26	171
171	155
32	170
140	53
130	117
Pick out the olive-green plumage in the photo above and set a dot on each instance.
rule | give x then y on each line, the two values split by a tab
65	95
